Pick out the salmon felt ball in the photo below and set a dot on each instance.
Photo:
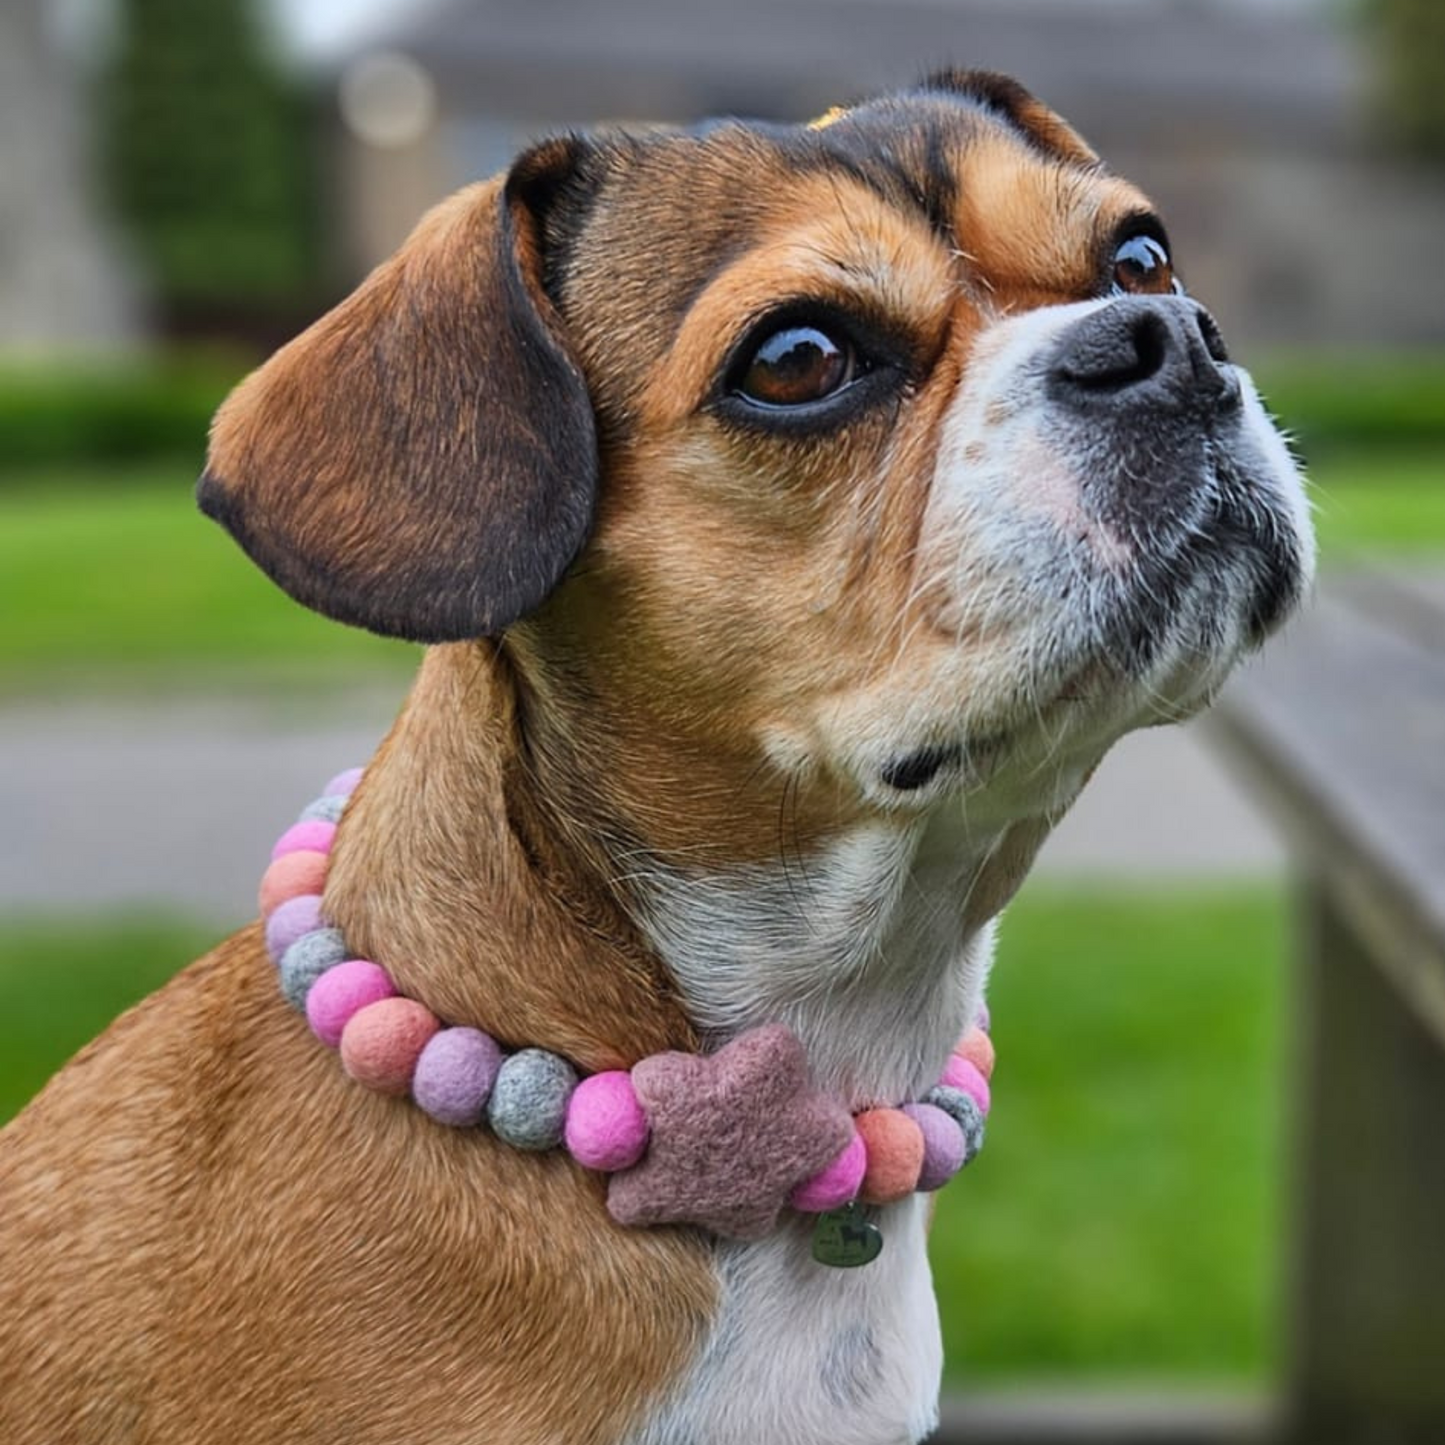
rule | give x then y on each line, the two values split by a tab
895	1155
977	1048
291	876
382	1042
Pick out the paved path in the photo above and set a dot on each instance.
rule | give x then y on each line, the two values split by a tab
174	804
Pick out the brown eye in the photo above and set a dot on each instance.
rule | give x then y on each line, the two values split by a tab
1141	265
796	365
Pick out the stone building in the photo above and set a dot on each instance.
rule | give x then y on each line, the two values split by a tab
1247	120
64	284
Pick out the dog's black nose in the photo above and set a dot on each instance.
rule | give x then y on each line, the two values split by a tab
1162	352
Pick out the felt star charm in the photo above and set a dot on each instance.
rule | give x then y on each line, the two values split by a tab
733	1133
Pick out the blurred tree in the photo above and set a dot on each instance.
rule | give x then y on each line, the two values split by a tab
1410	41
208	148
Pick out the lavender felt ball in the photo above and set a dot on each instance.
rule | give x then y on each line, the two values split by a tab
343	784
944	1146
528	1107
290	920
455	1074
606	1127
306	960
964	1112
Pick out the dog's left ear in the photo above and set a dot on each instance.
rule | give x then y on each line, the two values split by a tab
423	460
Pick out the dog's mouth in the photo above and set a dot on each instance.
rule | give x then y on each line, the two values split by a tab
1143	635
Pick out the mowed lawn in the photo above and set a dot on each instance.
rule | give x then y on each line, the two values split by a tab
1123	1217
117	580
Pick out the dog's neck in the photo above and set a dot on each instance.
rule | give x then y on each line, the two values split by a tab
477	865
873	950
451	870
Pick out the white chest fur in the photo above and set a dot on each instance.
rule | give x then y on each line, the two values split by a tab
811	1355
862	952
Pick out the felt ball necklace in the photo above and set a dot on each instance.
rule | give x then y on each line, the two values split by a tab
724	1141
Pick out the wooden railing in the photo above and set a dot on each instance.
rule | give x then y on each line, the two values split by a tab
1340	734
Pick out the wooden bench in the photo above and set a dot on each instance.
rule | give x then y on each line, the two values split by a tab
1339	731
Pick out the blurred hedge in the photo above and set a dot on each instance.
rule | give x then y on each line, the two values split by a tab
1334	401
151	412
161	410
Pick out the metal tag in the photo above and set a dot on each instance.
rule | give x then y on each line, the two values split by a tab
845	1238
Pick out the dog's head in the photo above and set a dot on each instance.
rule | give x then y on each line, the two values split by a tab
876	460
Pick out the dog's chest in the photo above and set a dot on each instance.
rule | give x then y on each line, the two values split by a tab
813	1355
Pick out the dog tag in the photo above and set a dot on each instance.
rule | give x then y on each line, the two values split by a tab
845	1238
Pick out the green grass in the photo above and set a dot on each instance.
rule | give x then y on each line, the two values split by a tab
63	983
1121	1220
125	582
1393	503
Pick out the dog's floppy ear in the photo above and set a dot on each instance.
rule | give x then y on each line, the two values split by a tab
423	460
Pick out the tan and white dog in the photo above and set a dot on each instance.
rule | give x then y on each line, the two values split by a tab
798	515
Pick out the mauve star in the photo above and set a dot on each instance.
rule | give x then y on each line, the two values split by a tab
732	1134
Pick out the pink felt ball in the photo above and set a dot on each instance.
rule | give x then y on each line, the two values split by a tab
343	785
895	1155
382	1042
292	920
313	836
455	1074
943	1145
833	1187
342	991
606	1127
959	1073
291	876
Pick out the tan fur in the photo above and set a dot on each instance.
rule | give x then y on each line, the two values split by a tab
208	1232
286	1256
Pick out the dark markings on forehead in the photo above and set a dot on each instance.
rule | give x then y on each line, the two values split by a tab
645	221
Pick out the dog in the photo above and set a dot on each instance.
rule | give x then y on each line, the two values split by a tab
795	516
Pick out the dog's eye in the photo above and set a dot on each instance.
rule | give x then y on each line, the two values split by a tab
1141	265
796	365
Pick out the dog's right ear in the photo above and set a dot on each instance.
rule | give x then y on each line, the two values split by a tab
423	460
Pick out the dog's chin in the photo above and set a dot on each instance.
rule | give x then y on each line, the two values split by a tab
1150	643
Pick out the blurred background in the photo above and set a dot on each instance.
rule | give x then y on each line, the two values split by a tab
184	186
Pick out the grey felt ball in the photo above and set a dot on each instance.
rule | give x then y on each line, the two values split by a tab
306	960
529	1100
324	810
964	1112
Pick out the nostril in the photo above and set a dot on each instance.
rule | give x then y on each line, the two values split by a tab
1213	341
1117	356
